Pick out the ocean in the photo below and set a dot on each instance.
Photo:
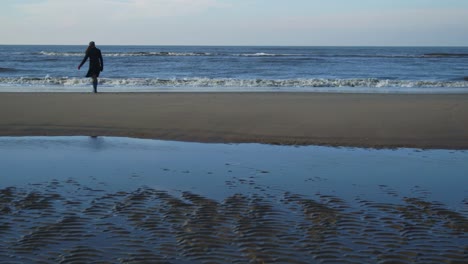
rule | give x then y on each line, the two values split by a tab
40	68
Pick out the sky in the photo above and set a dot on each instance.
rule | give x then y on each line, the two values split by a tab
236	22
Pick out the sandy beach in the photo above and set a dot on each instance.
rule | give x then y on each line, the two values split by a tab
234	132
362	120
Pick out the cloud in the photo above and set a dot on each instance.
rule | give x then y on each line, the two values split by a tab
68	21
240	22
390	27
121	8
72	12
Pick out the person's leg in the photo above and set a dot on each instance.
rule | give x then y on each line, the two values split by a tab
95	83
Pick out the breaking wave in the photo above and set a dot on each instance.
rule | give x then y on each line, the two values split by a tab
227	82
163	53
263	54
125	54
257	54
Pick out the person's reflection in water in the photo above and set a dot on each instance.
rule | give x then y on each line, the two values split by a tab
97	143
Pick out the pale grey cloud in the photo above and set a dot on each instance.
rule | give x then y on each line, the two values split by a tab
234	22
69	21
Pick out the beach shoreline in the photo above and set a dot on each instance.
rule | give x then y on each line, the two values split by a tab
423	121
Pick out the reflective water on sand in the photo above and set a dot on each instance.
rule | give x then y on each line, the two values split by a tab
87	199
122	163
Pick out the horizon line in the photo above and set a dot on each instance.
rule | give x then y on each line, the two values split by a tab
239	45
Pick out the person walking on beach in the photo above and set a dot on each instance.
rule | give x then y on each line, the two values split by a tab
96	64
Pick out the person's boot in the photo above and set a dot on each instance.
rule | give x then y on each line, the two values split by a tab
95	86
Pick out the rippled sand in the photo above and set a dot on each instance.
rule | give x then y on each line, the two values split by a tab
67	222
114	200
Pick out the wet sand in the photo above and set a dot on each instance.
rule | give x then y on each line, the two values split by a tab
67	222
365	120
113	200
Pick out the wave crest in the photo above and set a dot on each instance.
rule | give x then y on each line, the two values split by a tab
227	82
126	54
257	54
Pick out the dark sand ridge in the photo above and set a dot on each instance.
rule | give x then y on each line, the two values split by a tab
65	222
367	120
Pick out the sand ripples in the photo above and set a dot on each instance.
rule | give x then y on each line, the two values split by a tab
66	222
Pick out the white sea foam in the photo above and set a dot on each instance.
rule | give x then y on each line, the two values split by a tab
227	82
65	54
260	54
164	53
125	54
257	54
